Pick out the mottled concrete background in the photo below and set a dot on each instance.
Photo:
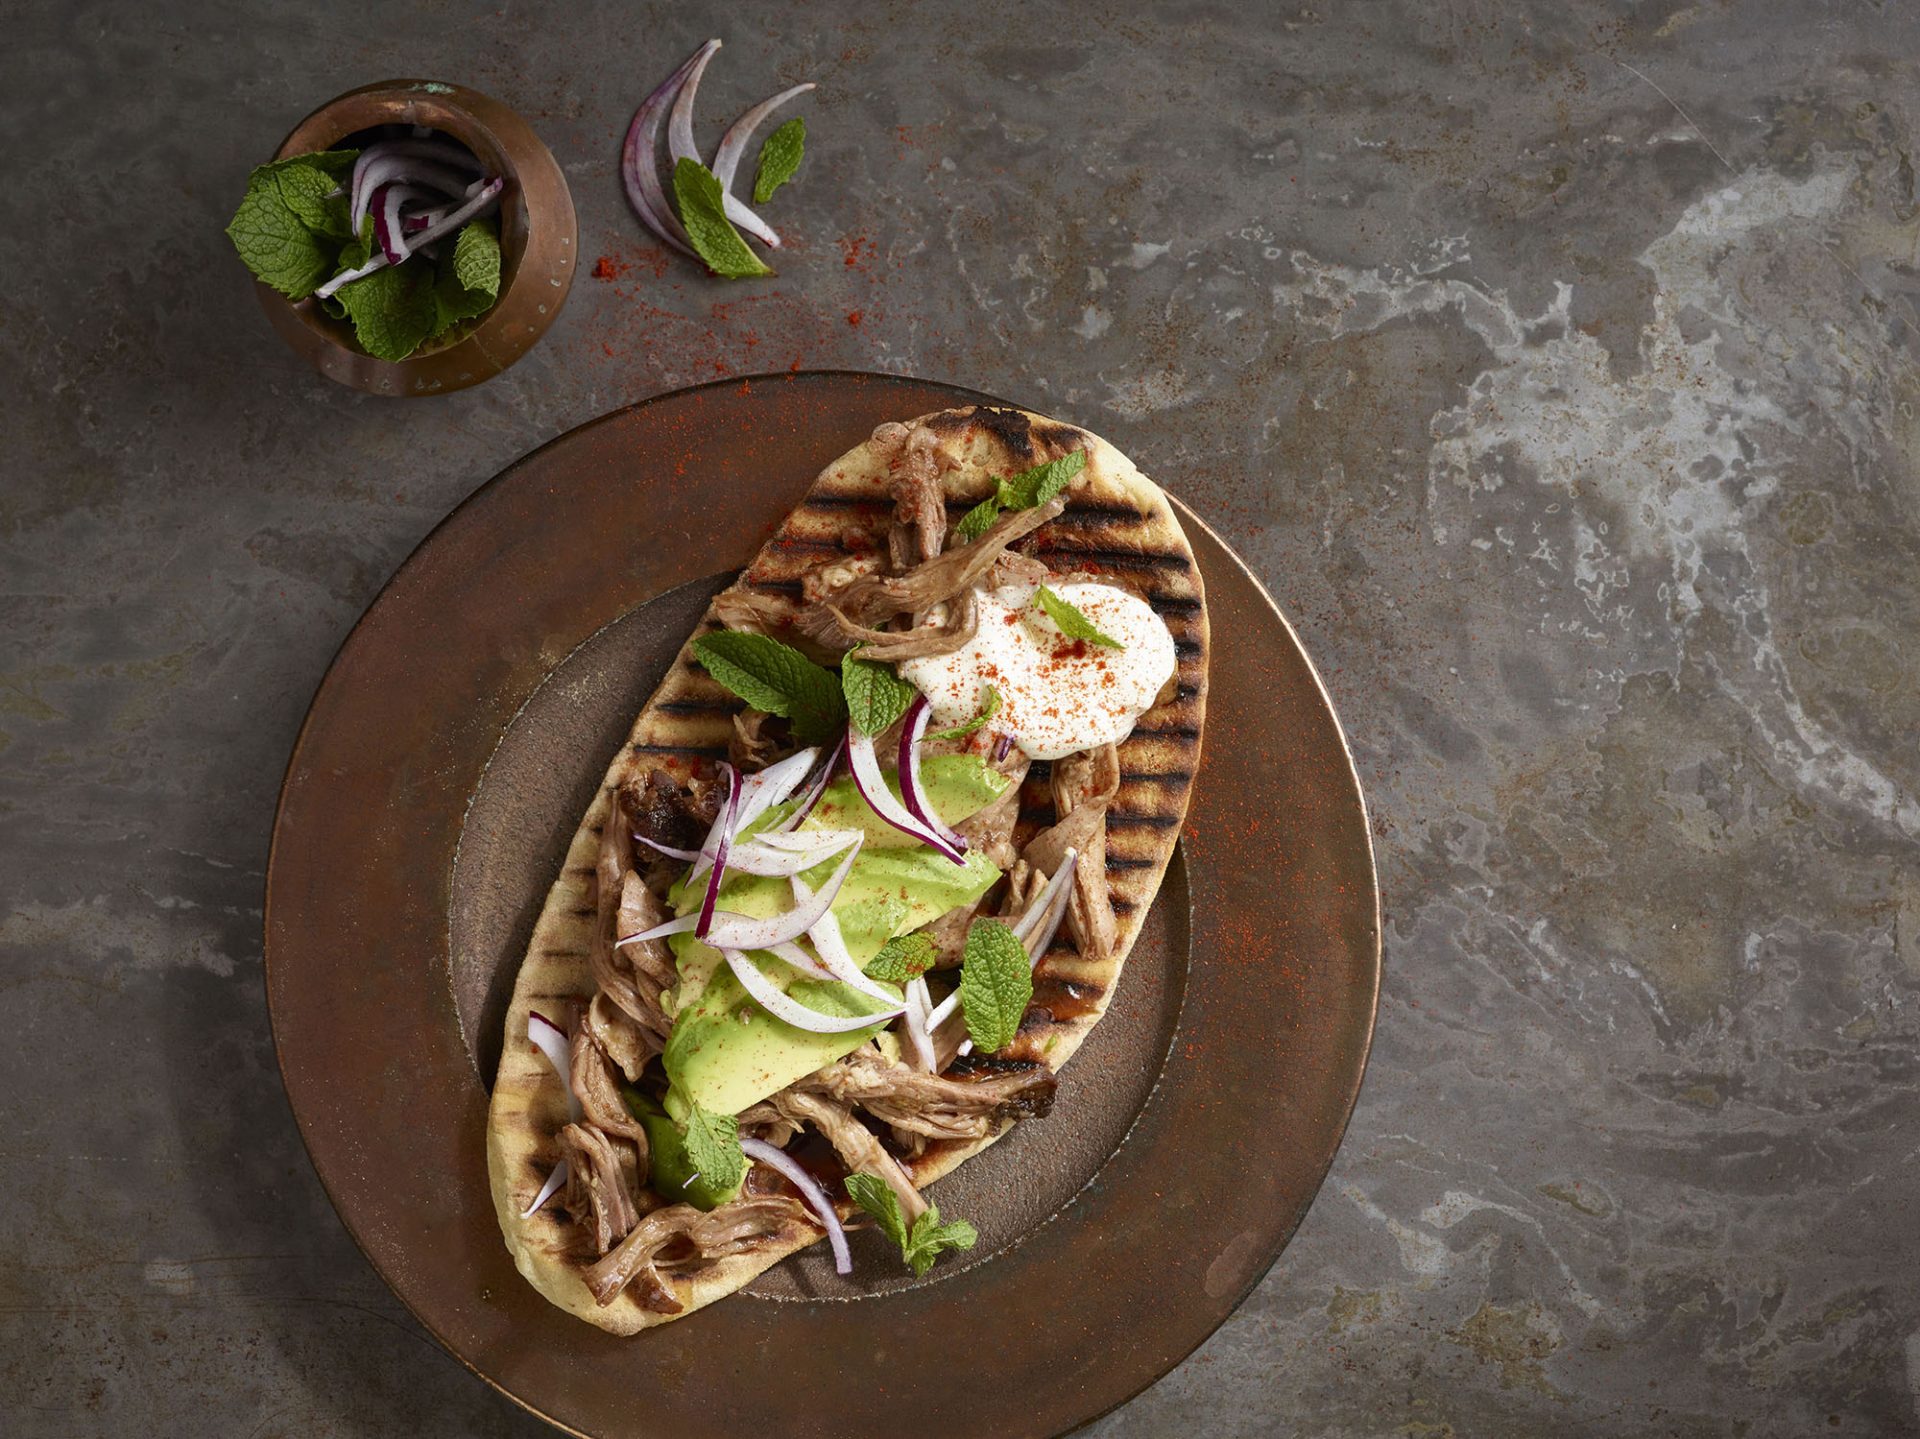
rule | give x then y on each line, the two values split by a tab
1554	369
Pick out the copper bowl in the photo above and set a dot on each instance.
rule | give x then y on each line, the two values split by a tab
539	241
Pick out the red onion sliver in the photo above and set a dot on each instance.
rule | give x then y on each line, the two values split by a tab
738	931
680	147
1043	901
639	162
715	849
387	232
758	793
794	955
752	857
380	165
873	789
919	1007
918	714
660	931
771	998
688	855
943	1011
816	1198
831	946
1003	746
816	787
1042	939
551	1041
733	144
486	199
547	1190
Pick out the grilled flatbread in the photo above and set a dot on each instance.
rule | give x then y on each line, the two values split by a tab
1117	526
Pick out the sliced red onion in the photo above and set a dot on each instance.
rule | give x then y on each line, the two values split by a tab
668	850
486	199
1003	746
831	946
551	1040
680	146
771	998
738	931
423	218
794	955
918	713
1043	902
714	851
873	789
919	1031
733	144
943	1011
387	231
682	925
381	164
1042	938
547	1190
817	1201
817	786
753	857
758	793
639	165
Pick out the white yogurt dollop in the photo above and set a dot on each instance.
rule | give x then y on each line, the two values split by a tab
1057	695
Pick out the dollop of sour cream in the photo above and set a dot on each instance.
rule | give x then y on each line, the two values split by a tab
1057	695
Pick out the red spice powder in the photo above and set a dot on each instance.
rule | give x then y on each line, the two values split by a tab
610	267
853	317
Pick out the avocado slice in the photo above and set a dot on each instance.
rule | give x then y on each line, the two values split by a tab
671	1172
725	1052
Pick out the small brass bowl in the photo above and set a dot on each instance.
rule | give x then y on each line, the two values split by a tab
539	241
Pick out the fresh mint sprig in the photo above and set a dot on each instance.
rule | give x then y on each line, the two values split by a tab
777	678
926	1239
1072	624
996	985
902	959
1022	492
876	696
779	158
987	712
703	211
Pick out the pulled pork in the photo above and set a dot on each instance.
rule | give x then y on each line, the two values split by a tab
696	1239
1084	785
912	1102
919	502
858	1147
601	1185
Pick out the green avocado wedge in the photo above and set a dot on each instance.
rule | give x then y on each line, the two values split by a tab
725	1052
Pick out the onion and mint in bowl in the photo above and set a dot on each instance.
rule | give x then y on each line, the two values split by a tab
409	238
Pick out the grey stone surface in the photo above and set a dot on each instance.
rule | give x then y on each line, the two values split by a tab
1553	365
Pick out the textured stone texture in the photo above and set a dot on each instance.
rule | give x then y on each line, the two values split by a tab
1553	367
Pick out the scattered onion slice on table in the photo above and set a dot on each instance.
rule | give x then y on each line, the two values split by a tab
873	789
774	1000
733	144
680	146
810	1191
639	166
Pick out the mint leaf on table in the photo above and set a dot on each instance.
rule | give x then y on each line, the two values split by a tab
713	1149
779	158
703	211
996	985
274	243
902	959
876	696
467	281
987	712
1021	492
930	1239
393	310
777	678
1072	624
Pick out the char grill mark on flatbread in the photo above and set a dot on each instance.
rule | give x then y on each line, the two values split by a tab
1116	528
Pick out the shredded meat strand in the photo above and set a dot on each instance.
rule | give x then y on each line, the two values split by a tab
858	1147
751	747
919	508
831	626
699	1238
1084	786
927	1104
599	1095
600	1187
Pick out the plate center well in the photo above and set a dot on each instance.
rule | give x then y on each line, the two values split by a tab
524	811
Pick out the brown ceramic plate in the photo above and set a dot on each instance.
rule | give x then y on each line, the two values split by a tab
446	760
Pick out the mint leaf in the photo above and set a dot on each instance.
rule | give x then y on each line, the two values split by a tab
779	158
337	164
1073	624
996	984
1021	492
703	211
902	959
467	281
274	243
1041	483
978	520
987	712
308	192
873	1194
930	1239
713	1149
876	696
777	678
392	310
